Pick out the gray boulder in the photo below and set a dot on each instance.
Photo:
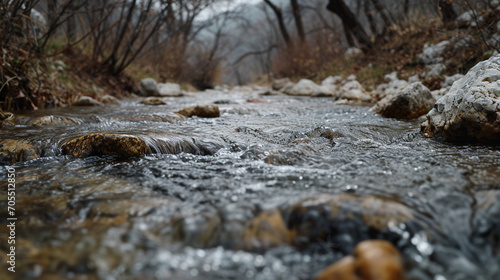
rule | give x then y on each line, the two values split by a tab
354	91
470	111
469	19
280	83
149	87
448	81
303	88
169	90
413	102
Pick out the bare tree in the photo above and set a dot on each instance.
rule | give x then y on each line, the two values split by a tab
298	19
279	15
352	26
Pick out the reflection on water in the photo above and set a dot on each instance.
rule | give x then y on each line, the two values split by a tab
113	218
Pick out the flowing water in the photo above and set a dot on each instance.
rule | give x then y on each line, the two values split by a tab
147	218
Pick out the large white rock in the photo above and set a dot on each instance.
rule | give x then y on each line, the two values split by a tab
414	101
332	80
149	87
469	19
169	90
303	88
471	109
279	84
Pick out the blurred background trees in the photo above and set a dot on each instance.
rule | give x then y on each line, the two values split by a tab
199	42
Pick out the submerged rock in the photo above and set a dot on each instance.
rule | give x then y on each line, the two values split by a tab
87	101
371	260
202	111
12	151
265	231
98	144
413	102
470	111
153	101
53	120
149	87
110	100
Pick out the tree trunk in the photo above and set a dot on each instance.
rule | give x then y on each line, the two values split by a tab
447	12
281	23
380	9
298	20
350	22
71	25
407	8
371	19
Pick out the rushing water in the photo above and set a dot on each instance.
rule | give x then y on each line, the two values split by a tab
119	218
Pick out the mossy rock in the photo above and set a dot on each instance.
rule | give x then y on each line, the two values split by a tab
12	151
98	144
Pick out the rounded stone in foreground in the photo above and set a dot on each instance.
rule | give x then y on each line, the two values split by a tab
371	259
99	144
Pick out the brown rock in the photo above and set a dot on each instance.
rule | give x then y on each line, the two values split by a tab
266	230
110	100
87	101
12	151
372	260
414	101
202	111
97	144
256	100
52	120
153	101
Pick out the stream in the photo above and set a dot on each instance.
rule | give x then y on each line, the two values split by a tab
182	211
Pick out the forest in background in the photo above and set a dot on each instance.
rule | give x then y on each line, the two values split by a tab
56	50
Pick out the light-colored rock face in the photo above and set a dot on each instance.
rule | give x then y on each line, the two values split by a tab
87	101
280	83
332	80
413	102
394	87
448	81
303	88
469	18
353	52
149	87
470	111
169	90
434	72
353	90
430	53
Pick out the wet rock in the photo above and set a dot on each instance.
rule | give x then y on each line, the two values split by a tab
431	52
371	260
126	207
153	101
303	88
202	111
7	118
87	101
470	111
12	151
110	100
53	120
98	144
413	102
280	83
149	87
345	219
256	100
169	90
265	231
